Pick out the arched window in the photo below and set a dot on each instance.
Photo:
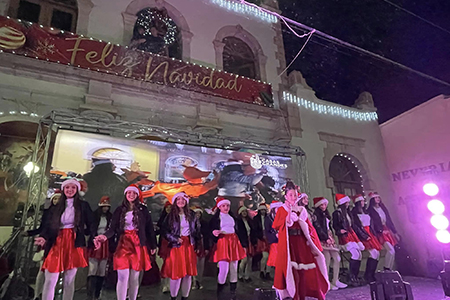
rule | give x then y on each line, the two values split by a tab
347	179
238	58
155	32
60	14
119	158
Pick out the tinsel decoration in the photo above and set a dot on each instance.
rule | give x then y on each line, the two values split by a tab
151	17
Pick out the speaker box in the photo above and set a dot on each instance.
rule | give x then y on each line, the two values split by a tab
389	285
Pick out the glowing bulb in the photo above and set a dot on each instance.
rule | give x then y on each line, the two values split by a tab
431	189
439	222
443	236
436	207
30	167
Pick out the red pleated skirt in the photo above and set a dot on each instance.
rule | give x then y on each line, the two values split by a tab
181	261
228	248
350	237
130	254
373	242
63	255
163	249
101	253
387	236
262	246
273	252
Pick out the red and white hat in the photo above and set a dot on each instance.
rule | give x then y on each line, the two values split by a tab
197	209
242	209
373	195
301	196
262	206
220	201
341	199
71	181
318	201
104	201
276	204
182	195
136	189
358	198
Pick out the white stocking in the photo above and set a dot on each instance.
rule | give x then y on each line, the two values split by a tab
265	257
174	287
122	283
133	282
93	267
69	283
336	266
48	292
223	271
186	283
390	255
374	253
356	254
233	271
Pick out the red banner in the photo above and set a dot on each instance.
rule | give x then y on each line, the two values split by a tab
71	49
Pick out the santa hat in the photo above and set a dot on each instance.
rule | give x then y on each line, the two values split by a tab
136	189
182	195
56	194
220	201
341	199
276	204
262	206
104	201
167	204
301	196
197	209
373	195
358	198
84	187
71	181
318	201
241	209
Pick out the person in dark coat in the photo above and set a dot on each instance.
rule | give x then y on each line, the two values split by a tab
203	248
246	231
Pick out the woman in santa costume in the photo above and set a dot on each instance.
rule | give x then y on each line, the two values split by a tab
133	226
262	246
246	231
63	238
272	234
322	224
384	228
362	224
348	240
203	247
228	249
163	244
182	230
300	270
98	258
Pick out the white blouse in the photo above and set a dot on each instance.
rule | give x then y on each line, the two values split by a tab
380	211
226	223
184	226
68	216
129	221
263	223
102	225
247	227
365	219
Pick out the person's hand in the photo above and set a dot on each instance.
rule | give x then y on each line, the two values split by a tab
276	235
343	231
97	244
153	251
156	227
216	233
39	241
98	240
180	241
329	242
24	233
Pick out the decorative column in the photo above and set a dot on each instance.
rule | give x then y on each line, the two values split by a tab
218	47
84	11
129	21
186	38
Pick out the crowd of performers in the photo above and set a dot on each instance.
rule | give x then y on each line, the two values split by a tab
294	240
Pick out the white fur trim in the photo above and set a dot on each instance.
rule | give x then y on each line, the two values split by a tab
303	266
323	201
241	209
276	205
224	201
180	194
262	207
230	163
198	210
343	200
71	181
131	188
360	198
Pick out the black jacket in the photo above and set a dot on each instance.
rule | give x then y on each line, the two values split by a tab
320	224
172	231
257	222
97	218
204	229
376	222
86	226
340	222
38	230
358	227
214	224
242	231
271	234
145	229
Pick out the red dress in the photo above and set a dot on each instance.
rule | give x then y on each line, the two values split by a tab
387	236
273	253
228	248
63	255
373	242
181	261
130	254
297	270
101	253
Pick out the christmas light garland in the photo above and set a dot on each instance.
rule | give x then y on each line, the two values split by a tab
246	9
355	165
146	19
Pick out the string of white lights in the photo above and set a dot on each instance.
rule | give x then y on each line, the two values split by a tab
331	109
246	9
15	113
349	158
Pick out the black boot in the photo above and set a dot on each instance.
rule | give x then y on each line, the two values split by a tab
233	286
352	279
173	298
90	287
371	267
359	280
99	286
184	298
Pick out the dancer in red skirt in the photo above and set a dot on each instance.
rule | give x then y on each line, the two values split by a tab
228	249
246	231
301	270
384	228
98	258
370	242
132	224
163	245
182	231
348	240
203	248
272	234
63	238
262	246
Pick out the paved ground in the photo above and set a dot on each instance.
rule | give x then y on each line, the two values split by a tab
423	289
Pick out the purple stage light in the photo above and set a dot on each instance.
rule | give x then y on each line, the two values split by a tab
436	207
431	189
443	236
439	222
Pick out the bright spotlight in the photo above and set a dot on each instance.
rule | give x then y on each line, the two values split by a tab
443	236
440	222
431	189
30	168
436	207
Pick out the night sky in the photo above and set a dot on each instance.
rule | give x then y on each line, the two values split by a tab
339	74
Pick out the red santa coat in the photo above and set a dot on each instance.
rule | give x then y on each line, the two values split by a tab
307	274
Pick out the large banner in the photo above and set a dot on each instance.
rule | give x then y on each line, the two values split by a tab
71	49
